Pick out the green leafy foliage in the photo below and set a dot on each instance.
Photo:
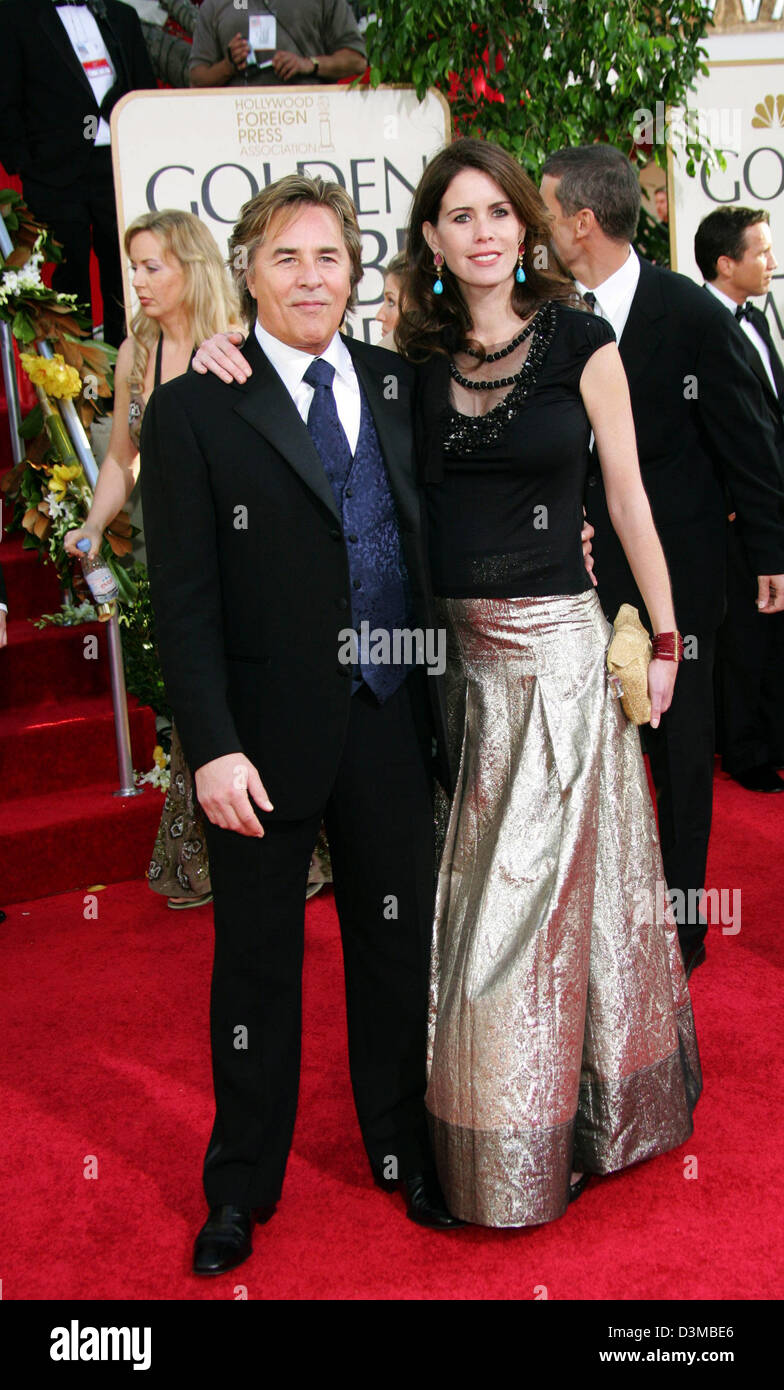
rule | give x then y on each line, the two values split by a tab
537	75
140	654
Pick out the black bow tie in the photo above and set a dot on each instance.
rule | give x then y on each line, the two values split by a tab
744	311
590	298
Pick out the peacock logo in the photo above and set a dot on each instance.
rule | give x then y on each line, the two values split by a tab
769	112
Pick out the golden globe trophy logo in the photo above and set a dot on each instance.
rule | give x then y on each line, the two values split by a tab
284	125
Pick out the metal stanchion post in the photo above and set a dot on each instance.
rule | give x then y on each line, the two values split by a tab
11	390
9	363
122	730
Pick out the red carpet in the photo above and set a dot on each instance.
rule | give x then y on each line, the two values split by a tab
106	1059
58	760
107	1056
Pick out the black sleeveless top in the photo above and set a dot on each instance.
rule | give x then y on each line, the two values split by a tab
505	490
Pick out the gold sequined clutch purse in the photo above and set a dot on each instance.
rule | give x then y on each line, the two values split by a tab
628	656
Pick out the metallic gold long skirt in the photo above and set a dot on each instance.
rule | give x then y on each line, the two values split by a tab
561	1032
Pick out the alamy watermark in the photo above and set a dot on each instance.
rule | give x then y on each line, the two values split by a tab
719	126
716	906
399	646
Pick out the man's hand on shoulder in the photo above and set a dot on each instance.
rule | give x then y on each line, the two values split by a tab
220	355
224	788
770	593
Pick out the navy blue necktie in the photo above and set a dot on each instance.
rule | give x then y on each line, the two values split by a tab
325	429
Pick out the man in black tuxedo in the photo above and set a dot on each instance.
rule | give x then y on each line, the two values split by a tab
281	514
734	251
702	426
64	68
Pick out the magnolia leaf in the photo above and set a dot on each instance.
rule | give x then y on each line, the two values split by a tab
22	328
121	524
36	523
18	257
32	423
70	353
128	589
120	546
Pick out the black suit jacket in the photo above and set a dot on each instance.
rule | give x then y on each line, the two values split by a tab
773	398
249	570
45	96
705	441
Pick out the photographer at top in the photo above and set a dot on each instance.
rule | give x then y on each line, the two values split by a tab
298	41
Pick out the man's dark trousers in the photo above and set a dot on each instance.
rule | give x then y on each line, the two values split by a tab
379	822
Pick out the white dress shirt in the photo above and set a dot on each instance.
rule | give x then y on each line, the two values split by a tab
88	45
751	333
614	297
291	363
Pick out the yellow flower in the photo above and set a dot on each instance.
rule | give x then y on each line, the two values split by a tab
57	379
62	475
158	756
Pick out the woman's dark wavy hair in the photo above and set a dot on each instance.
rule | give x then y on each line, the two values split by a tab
431	323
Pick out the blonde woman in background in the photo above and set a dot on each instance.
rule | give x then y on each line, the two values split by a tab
185	294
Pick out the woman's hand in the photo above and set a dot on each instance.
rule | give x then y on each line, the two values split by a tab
661	685
586	537
220	356
93	534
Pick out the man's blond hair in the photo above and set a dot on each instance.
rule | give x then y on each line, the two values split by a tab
292	192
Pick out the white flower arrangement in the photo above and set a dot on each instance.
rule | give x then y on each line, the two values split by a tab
14	282
159	775
67	509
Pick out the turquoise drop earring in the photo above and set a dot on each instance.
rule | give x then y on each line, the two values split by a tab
520	273
438	287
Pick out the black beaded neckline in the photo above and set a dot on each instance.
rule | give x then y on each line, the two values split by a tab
462	434
502	352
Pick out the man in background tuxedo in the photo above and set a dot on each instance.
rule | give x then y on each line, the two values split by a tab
702	426
734	251
64	68
280	514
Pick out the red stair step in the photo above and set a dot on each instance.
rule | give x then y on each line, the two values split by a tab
68	743
56	842
32	585
51	664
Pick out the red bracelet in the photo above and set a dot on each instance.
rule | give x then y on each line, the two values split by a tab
667	646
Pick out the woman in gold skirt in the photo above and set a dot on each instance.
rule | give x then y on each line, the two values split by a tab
561	1033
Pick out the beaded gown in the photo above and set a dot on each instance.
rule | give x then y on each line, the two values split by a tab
561	1033
179	866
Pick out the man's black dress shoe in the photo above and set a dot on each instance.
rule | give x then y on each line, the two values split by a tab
693	956
424	1200
578	1187
224	1240
760	779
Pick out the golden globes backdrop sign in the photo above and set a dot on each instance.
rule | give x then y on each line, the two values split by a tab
740	105
208	151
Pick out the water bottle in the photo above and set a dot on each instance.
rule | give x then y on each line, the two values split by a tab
100	580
